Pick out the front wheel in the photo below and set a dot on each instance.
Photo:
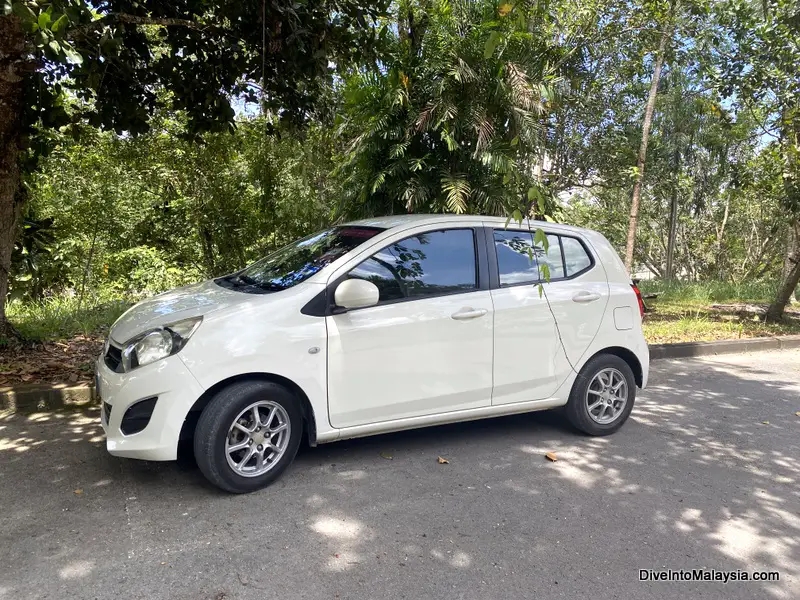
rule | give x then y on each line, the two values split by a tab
602	396
248	435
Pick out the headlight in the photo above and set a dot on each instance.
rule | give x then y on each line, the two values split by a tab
159	343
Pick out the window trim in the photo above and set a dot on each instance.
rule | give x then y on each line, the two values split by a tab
322	305
495	284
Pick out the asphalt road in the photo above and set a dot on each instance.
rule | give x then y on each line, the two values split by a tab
705	475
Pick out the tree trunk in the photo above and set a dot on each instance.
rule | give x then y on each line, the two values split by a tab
648	121
790	279
669	270
790	149
792	250
12	46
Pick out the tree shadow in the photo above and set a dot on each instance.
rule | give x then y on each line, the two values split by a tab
704	475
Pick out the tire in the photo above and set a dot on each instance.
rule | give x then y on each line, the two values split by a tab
217	437
601	421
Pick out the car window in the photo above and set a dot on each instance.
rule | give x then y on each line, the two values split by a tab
515	260
576	258
427	264
551	258
299	260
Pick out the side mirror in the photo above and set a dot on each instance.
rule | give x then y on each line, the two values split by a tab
356	293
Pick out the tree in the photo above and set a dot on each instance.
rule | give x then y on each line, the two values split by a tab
667	26
116	55
452	119
757	64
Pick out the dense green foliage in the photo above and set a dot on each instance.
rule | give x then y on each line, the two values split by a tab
508	108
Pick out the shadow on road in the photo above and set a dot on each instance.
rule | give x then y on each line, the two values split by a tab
704	475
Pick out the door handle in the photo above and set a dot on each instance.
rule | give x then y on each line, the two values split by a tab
467	313
585	296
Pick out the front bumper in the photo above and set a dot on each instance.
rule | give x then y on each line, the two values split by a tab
176	389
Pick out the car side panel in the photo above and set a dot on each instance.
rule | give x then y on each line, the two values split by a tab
271	338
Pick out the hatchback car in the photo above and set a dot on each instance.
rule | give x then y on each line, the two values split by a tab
375	326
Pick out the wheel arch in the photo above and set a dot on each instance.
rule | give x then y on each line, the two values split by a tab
628	356
190	422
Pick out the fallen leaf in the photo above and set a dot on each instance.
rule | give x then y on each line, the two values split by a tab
78	492
551	456
765	422
386	455
443	461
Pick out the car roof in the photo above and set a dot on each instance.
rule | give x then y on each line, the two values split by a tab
401	221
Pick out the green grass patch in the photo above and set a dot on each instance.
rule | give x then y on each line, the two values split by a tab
683	312
710	292
61	317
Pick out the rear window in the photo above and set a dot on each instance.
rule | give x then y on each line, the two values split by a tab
576	259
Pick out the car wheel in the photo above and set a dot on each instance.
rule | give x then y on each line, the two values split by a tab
602	396
248	435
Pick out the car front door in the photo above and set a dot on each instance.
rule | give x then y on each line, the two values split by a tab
426	347
529	361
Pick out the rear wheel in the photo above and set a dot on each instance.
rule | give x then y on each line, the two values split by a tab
248	435
602	396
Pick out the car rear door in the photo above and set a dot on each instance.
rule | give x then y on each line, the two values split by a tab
578	290
426	347
529	361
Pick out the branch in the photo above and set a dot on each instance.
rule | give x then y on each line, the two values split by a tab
112	18
166	22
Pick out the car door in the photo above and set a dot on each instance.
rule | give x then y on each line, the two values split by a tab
577	292
529	361
426	347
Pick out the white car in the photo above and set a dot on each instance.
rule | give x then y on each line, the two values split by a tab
375	326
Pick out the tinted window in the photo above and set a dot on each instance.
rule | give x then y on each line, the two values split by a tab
575	256
299	260
515	260
551	258
428	264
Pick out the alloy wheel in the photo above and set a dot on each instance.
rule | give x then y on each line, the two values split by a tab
607	396
257	438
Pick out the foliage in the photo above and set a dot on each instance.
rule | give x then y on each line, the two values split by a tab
113	64
155	211
116	54
451	121
62	316
477	107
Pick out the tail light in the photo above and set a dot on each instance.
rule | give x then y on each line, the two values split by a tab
638	299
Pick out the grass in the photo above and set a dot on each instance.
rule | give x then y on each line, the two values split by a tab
60	317
685	293
683	312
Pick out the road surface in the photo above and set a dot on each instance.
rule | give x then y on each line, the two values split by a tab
706	474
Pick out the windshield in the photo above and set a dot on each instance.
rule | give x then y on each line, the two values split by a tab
299	260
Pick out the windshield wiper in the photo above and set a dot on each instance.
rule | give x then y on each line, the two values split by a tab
247	281
269	285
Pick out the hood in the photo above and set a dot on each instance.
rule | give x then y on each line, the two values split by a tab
178	304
